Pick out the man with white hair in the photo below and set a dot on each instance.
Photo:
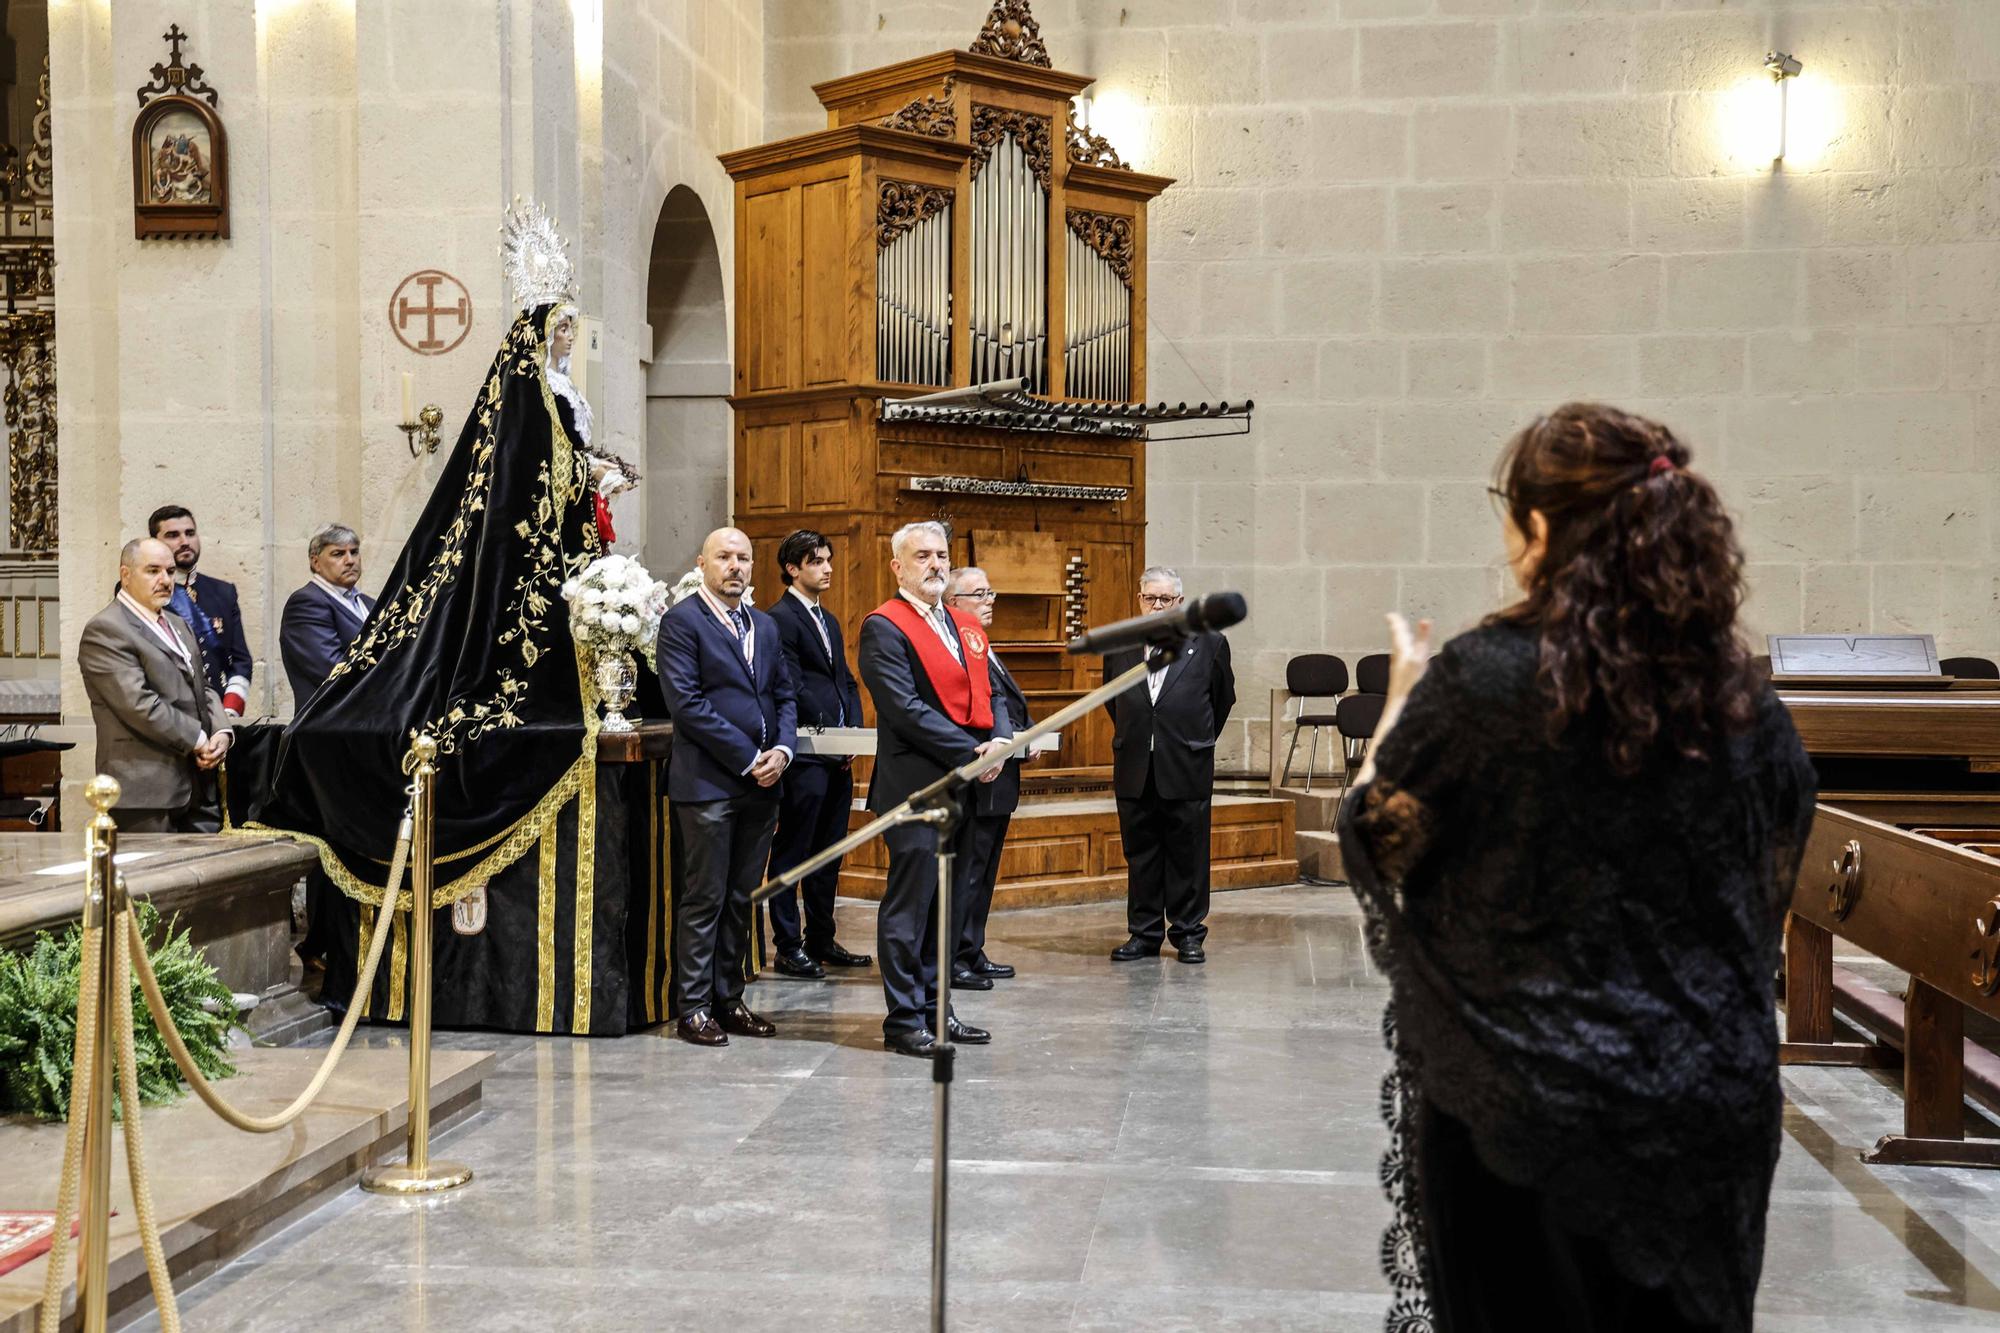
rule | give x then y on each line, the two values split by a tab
994	803
1163	773
925	666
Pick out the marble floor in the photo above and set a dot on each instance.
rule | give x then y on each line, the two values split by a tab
1148	1145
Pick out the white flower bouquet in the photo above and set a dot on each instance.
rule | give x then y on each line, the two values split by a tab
615	607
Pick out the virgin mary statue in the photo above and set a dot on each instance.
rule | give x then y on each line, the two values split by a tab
470	645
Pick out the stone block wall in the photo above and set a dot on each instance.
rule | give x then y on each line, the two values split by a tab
258	379
1405	226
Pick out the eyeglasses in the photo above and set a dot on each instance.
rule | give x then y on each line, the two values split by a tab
1160	600
1503	503
985	596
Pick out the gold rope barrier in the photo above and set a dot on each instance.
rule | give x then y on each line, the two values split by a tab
419	1174
86	1168
157	1003
106	1061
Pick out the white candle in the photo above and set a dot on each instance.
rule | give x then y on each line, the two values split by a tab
409	413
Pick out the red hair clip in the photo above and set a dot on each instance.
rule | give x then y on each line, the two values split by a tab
1661	463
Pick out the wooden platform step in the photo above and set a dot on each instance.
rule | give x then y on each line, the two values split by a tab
1069	851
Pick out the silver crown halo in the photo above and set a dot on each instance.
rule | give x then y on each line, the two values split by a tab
536	257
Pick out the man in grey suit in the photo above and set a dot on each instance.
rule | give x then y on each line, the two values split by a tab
160	727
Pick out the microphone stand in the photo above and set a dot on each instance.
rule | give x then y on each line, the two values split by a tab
937	805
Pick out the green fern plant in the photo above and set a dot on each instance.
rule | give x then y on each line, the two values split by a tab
38	1018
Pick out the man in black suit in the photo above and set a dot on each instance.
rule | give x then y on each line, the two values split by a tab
735	729
323	617
1163	772
209	606
993	802
818	791
925	668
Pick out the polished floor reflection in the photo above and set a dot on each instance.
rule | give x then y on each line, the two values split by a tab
1146	1145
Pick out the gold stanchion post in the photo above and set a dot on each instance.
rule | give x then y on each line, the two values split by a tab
419	1174
103	918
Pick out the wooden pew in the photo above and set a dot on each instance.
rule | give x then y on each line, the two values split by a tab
1931	909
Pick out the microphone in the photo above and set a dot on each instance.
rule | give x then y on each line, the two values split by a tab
1216	610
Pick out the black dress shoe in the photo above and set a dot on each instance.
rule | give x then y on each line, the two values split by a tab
736	1017
1192	953
796	964
919	1043
964	980
965	1033
998	971
701	1029
835	956
1134	948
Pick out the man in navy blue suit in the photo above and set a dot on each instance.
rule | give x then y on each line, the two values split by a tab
323	617
209	606
818	792
722	667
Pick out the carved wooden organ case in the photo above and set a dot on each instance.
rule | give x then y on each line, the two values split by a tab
951	227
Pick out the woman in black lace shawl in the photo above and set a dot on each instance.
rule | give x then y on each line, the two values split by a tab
1575	842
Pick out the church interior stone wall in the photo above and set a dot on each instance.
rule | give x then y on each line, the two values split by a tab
1405	226
258	379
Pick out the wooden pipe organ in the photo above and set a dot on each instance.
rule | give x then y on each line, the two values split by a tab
953	227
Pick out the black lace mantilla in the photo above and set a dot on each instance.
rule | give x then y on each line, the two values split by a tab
1581	970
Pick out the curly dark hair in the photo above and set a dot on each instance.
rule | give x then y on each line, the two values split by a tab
1636	596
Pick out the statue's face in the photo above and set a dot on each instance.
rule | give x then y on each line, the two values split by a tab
562	338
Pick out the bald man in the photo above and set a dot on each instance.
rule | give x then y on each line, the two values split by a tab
722	666
161	730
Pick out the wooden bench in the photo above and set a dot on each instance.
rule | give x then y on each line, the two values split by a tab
1931	909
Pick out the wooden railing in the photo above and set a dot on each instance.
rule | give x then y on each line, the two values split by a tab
1931	909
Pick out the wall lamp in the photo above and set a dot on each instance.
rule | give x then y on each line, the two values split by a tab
1782	68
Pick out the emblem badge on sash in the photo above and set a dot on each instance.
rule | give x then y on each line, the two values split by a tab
974	641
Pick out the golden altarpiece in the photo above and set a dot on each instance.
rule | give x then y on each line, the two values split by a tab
941	313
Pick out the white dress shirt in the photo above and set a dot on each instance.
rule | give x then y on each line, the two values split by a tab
936	616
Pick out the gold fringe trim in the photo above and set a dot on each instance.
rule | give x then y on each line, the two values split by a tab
545	933
399	965
367	919
586	901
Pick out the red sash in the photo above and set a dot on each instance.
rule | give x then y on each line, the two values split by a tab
965	691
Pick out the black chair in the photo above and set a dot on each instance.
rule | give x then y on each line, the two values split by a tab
1970	668
1371	674
1311	676
1356	719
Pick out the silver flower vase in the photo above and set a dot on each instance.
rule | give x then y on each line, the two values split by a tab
617	679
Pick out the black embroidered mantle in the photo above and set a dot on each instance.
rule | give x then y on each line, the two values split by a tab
1582	964
469	642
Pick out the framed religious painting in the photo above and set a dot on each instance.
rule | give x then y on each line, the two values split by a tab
180	155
